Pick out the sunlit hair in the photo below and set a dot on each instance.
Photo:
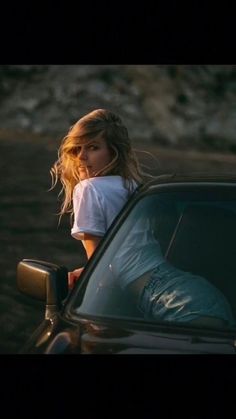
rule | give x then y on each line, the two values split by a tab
103	124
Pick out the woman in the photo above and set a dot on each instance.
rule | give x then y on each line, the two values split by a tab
99	170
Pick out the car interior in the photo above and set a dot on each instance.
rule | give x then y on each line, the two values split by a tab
203	242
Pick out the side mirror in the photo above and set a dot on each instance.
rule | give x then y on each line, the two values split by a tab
44	281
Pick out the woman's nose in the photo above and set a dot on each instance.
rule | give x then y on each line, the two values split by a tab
82	154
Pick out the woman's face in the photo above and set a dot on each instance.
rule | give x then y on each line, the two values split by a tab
92	156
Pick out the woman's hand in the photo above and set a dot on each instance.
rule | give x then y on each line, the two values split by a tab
73	277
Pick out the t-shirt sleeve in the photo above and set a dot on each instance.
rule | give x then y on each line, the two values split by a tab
89	216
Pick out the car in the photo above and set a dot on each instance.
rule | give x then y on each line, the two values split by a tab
193	216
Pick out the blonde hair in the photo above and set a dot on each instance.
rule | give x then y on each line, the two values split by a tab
108	126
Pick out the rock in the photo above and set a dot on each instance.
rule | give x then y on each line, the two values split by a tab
182	106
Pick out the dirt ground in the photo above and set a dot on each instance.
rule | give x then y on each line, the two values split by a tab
29	225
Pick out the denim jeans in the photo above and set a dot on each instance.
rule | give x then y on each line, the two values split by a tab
177	296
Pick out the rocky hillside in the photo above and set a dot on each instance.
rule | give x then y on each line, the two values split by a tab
182	106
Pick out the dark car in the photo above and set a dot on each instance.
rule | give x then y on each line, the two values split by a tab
194	220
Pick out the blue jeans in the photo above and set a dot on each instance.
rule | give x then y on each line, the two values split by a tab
178	296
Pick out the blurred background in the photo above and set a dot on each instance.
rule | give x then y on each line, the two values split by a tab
184	115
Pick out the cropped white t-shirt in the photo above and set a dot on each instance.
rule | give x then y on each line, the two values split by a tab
96	202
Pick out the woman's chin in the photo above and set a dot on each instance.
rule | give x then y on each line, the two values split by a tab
84	174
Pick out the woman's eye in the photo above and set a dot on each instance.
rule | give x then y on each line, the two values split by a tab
75	151
93	147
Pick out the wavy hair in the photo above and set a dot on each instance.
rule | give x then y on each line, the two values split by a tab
106	125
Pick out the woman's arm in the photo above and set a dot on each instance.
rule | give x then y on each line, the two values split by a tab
90	243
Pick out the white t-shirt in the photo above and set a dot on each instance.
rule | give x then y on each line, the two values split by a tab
96	202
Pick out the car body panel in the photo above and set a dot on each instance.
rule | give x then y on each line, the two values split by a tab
103	336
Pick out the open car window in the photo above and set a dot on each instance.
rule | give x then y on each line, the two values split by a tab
193	231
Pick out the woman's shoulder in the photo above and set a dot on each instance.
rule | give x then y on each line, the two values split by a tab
98	180
84	187
101	183
93	184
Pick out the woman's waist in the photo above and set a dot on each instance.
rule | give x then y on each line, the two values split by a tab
136	286
164	272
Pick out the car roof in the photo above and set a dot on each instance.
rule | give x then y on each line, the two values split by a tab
192	177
